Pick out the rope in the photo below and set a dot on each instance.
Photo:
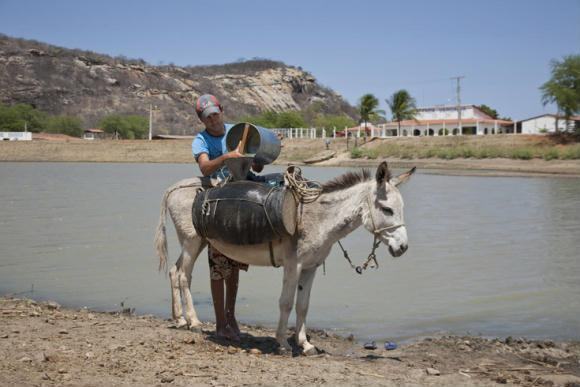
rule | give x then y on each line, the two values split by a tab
304	191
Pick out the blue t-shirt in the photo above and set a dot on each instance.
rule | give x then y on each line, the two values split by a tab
215	147
212	145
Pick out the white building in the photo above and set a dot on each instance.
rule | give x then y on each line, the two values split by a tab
15	136
444	120
546	123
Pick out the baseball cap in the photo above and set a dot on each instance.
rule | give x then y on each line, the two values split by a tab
206	105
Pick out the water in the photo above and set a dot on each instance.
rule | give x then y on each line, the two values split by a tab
494	256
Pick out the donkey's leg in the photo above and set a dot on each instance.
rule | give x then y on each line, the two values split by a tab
302	303
291	273
176	309
191	250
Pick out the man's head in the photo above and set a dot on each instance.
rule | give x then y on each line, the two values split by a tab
206	105
209	110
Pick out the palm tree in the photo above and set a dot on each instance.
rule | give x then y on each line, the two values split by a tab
403	107
563	88
368	109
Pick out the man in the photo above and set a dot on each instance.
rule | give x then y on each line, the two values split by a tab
210	152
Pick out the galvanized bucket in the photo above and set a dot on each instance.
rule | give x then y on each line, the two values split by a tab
262	144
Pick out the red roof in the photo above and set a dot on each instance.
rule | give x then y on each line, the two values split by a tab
464	121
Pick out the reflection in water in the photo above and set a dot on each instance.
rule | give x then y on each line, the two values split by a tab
492	256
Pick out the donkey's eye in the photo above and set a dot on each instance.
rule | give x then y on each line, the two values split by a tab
387	211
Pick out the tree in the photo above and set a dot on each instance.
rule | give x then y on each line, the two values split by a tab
271	119
563	88
71	126
368	111
489	111
333	121
20	116
128	127
403	107
492	112
290	119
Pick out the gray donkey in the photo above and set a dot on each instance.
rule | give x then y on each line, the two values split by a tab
345	203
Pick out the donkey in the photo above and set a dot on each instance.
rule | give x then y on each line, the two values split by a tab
345	203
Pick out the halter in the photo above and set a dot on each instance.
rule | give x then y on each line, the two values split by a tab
376	242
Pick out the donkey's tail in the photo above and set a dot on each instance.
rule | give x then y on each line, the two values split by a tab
161	235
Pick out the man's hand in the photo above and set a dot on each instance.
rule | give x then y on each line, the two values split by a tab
234	154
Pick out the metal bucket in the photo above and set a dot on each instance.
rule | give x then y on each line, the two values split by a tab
239	167
261	143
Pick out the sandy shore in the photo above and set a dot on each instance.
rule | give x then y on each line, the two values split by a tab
293	152
42	343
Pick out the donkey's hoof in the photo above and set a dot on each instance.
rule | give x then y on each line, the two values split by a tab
309	350
194	323
284	348
180	323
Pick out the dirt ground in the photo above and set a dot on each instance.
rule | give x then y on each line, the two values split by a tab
59	149
42	343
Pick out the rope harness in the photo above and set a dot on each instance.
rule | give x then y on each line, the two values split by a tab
304	191
307	191
376	243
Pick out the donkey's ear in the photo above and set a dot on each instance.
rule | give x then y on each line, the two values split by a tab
383	173
403	177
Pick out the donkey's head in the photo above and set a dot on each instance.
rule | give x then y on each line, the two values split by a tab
384	216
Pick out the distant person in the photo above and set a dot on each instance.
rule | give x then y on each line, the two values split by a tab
210	152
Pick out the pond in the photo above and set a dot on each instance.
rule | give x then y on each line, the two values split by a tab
495	256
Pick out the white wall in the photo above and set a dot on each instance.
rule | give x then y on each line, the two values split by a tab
544	124
446	113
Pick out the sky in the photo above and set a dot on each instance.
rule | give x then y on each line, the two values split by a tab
503	48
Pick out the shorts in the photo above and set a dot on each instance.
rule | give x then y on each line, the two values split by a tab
220	266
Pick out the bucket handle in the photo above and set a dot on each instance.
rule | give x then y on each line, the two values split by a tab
242	144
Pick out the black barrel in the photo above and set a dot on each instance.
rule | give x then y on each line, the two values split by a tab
245	213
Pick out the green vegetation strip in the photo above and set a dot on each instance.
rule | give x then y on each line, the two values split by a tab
566	152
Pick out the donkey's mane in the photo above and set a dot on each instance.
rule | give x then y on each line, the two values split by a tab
347	180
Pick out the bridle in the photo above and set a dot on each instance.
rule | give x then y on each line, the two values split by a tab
376	243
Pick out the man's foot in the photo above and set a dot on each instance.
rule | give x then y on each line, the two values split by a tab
233	324
227	333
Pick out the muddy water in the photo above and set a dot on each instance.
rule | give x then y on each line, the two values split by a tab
494	256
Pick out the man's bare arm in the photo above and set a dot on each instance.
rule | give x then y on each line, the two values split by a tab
208	166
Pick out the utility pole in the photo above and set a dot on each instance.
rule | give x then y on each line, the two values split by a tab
150	121
151	108
459	78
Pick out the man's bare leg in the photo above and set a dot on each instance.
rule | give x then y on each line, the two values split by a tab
222	328
231	295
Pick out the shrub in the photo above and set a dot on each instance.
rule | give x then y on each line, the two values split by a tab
371	153
467	153
522	154
356	153
572	153
551	154
487	152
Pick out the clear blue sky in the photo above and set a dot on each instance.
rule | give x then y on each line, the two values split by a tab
502	47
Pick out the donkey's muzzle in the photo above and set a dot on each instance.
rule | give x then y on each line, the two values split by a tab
399	252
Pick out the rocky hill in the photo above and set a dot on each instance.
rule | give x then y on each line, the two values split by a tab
91	85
